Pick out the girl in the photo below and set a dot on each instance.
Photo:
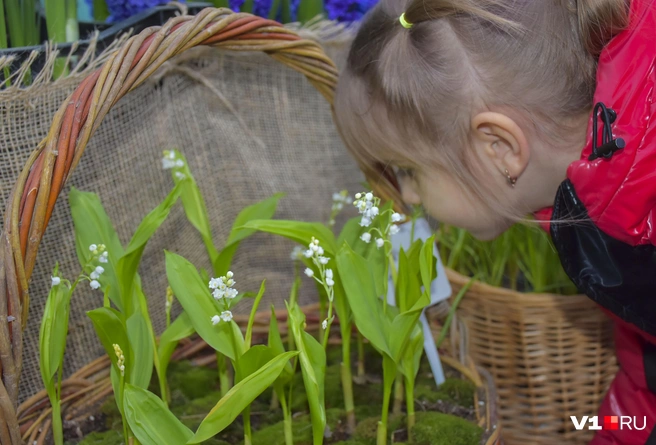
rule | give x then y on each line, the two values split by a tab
486	110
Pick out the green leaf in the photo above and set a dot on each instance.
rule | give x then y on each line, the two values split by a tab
141	351
360	289
247	6
127	266
110	330
109	327
179	329
278	347
286	11
194	296
301	232
251	319
252	360
150	420
412	354
427	263
402	327
351	233
239	398
54	328
275	7
309	9
313	364
194	204
93	226
263	210
408	286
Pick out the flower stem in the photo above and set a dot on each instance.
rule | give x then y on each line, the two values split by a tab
410	406
287	421
388	382
398	395
224	378
326	333
347	384
248	434
121	385
361	368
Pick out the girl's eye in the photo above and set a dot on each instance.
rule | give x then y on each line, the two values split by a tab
402	172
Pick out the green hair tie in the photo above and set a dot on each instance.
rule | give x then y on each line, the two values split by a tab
406	24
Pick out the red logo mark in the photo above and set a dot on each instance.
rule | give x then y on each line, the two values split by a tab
611	422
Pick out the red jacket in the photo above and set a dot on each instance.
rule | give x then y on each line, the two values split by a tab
609	247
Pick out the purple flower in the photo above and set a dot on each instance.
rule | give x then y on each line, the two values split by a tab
348	10
122	9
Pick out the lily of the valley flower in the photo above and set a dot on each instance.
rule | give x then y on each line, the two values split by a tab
366	237
223	287
121	358
55	281
329	278
100	254
380	242
309	272
225	316
297	253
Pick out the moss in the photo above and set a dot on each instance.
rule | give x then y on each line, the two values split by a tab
110	437
366	429
301	428
453	390
193	412
437	428
193	381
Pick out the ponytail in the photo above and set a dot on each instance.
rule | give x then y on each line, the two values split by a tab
599	21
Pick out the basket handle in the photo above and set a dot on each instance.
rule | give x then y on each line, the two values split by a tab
33	198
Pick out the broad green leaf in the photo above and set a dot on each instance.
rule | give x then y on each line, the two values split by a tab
141	351
110	330
360	290
54	328
194	296
309	9
93	226
408	286
263	210
403	325
239	398
301	232
194	205
351	233
412	354
313	364
179	329
127	266
150	420
252	360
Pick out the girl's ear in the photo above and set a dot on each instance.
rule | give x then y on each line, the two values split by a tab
498	138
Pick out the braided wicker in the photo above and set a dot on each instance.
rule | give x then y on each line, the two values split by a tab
551	357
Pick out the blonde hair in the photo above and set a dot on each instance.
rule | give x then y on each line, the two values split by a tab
408	95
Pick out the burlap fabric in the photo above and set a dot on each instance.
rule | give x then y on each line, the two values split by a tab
249	127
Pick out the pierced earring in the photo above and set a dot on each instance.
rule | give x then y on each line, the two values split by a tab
511	180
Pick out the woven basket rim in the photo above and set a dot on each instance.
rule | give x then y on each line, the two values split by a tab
478	286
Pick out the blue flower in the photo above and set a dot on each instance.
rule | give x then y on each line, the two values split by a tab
348	10
122	9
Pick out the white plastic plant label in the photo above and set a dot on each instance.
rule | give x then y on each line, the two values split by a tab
440	288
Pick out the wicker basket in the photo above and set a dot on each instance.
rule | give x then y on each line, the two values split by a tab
551	357
85	391
37	189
